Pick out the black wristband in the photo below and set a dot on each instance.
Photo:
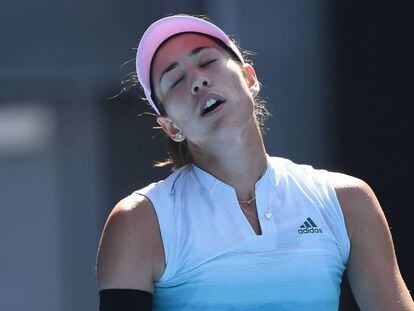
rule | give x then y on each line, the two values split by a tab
124	299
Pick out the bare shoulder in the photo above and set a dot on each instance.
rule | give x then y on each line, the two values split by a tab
354	196
372	270
130	250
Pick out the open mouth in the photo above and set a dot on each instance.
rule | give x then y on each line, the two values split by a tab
211	105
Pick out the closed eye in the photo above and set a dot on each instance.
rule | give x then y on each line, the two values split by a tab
202	66
208	63
176	82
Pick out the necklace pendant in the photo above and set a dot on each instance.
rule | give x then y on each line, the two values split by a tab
268	215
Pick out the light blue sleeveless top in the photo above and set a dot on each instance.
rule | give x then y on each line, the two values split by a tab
214	259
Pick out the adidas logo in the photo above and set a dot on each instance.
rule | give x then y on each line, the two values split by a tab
309	227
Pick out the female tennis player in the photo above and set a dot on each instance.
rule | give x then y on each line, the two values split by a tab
233	228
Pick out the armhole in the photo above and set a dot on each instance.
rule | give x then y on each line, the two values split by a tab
167	237
343	232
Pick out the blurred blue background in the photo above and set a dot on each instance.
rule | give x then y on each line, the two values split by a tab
337	77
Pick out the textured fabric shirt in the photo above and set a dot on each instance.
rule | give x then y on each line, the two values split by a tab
215	260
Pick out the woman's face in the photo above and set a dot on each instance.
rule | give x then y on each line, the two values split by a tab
189	69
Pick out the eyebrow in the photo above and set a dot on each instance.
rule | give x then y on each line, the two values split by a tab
175	64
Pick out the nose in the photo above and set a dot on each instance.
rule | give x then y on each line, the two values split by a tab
199	83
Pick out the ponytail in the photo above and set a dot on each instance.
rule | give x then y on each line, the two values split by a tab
179	155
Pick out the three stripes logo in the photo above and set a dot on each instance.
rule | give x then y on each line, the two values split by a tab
309	227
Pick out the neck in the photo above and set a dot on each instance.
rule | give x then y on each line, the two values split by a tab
240	163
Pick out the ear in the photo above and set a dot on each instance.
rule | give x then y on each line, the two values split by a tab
170	128
251	79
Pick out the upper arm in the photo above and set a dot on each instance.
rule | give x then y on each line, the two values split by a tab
372	270
124	258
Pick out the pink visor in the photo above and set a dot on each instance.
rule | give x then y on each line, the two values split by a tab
161	30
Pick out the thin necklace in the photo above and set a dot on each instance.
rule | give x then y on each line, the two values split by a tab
249	213
249	201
